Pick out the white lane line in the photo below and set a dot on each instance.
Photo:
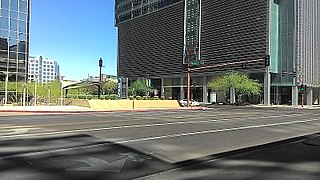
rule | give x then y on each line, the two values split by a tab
132	126
212	131
155	138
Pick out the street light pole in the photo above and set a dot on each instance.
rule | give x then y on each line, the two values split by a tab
188	86
35	90
6	89
61	93
24	95
99	86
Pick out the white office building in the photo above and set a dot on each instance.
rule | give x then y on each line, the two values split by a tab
42	69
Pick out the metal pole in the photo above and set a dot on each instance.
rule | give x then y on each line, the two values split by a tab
35	92
188	86
49	94
28	95
61	93
99	86
24	96
6	89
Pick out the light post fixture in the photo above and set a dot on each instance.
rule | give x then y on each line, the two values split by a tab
188	85
61	93
35	90
6	89
49	95
24	95
100	77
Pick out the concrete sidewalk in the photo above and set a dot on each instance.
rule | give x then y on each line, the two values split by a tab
44	109
288	106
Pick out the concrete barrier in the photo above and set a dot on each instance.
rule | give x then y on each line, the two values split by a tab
132	104
155	104
77	102
111	104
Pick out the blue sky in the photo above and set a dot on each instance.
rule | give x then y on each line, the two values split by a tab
76	33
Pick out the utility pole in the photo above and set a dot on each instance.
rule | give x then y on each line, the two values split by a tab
188	85
61	93
6	89
99	86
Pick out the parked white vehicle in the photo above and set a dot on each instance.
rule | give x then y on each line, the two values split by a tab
183	102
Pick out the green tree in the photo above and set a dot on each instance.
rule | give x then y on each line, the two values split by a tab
240	82
110	87
139	88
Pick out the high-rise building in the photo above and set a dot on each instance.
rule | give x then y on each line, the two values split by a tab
43	70
157	39
14	38
14	41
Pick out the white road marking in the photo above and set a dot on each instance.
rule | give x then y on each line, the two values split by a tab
10	129
212	131
155	138
135	126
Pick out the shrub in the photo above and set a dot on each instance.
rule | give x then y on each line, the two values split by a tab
162	98
113	96
106	97
82	96
145	98
131	97
154	98
138	98
89	97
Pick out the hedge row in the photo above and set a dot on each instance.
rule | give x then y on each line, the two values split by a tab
85	96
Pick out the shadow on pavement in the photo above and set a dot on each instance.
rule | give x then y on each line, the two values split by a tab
73	157
297	158
86	157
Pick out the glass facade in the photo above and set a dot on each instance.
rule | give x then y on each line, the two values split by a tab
14	40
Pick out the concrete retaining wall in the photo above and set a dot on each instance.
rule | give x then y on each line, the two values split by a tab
125	104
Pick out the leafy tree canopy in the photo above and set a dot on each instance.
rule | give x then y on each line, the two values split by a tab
140	88
241	83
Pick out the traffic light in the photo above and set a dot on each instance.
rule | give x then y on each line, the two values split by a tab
267	60
284	72
100	62
303	87
294	74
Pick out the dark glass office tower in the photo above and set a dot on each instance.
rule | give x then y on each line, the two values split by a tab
152	39
14	38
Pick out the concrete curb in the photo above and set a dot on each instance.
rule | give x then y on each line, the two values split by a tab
95	111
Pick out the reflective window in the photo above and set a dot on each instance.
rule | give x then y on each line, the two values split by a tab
13	24
14	14
14	5
23	17
3	34
5	4
22	6
4	23
4	13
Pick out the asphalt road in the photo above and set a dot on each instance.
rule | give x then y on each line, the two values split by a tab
156	144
